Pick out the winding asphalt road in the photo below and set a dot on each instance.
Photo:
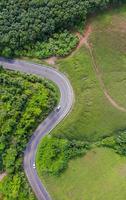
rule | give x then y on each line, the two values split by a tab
49	123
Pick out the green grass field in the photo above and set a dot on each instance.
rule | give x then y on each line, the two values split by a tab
100	175
93	116
109	46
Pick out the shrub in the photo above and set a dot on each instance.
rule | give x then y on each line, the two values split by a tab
118	142
61	44
53	154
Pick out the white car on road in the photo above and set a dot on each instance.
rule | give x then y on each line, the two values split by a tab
34	166
58	108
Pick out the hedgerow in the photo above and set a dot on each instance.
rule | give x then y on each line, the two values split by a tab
117	142
53	154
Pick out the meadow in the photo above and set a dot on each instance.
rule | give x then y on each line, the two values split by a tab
109	48
93	116
100	174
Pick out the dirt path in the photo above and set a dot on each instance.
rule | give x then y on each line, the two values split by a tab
99	76
84	38
51	60
84	41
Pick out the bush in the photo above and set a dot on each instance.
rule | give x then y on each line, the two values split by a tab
108	142
118	142
53	154
59	45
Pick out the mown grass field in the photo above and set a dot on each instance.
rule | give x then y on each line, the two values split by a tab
101	174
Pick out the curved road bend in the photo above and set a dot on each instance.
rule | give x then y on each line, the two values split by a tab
49	123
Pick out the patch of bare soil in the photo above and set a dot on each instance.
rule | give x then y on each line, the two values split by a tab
51	60
2	176
91	156
84	38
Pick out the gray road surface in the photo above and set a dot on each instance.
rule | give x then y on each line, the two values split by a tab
49	123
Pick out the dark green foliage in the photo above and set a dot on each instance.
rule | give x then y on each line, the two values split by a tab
59	45
118	142
77	148
25	22
121	143
53	154
25	101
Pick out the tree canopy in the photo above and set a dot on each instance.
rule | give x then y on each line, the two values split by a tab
24	22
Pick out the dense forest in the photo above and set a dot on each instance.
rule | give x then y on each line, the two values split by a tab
25	101
23	23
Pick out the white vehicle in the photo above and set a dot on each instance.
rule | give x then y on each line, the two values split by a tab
58	108
34	166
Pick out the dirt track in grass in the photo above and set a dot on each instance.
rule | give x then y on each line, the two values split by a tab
99	76
84	40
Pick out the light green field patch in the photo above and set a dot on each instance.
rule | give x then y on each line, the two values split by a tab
100	175
92	116
109	47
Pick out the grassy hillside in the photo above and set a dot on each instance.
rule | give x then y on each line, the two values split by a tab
93	116
108	41
99	175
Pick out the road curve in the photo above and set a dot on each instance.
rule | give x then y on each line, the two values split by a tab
49	123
